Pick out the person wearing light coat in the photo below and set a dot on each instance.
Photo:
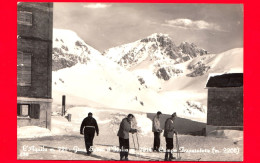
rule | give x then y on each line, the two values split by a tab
123	134
157	131
169	131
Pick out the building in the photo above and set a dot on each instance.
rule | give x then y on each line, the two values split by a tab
225	102
34	64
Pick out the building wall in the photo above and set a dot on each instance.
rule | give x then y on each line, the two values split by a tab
45	113
36	39
225	106
42	20
40	68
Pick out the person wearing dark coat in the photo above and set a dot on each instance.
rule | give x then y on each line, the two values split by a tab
88	127
123	134
169	131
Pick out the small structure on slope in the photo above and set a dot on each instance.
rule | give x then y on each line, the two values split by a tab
225	102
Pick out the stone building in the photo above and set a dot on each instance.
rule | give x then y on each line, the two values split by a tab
225	102
34	64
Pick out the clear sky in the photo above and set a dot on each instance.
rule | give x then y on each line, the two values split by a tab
214	27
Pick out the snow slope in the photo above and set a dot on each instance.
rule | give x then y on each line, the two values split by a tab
102	81
108	85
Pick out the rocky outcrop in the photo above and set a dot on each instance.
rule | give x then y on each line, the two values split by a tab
61	58
198	69
166	73
191	49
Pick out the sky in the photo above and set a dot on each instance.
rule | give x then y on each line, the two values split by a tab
214	27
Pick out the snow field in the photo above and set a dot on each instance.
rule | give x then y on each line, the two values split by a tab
66	135
61	126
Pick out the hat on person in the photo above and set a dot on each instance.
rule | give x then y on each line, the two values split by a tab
130	115
174	114
158	113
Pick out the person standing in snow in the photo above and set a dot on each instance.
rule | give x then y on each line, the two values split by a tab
88	127
156	131
169	131
123	134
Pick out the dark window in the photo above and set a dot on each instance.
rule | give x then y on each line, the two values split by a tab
24	68
24	18
28	110
35	111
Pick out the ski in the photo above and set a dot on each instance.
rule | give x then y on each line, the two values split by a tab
181	159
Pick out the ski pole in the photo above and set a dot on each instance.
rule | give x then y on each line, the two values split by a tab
177	146
133	140
138	144
137	140
134	145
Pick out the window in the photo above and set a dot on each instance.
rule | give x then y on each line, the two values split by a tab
24	69
28	110
24	18
23	110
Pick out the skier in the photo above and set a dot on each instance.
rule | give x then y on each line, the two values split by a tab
123	134
169	131
156	131
88	127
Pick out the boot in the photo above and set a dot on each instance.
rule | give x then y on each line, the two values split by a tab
122	156
88	153
166	156
171	157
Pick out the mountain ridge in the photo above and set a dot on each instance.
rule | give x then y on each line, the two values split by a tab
157	46
69	49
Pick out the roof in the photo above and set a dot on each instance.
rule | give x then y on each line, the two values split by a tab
226	80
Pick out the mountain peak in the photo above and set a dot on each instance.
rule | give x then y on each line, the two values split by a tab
69	49
192	49
156	35
65	33
185	43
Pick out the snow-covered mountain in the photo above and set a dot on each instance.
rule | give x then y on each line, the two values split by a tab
69	49
158	57
156	47
158	52
88	78
100	82
154	79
